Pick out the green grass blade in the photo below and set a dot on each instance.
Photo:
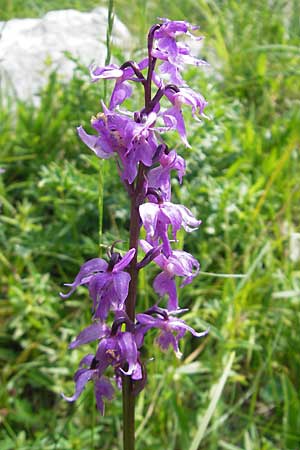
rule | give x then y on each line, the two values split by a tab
216	394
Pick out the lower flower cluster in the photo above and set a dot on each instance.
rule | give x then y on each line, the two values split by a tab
108	287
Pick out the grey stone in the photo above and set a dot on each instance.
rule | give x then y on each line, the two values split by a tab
32	48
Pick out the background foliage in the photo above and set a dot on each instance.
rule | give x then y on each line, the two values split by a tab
237	389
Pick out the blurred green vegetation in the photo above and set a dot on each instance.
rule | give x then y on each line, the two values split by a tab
237	389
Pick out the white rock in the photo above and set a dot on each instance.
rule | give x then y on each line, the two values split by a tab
32	48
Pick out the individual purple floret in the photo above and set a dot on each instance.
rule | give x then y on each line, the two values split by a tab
109	290
159	177
172	328
116	348
173	116
122	90
157	217
102	385
119	351
108	282
179	263
133	142
86	272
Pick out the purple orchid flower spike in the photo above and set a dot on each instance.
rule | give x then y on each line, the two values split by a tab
179	263
156	219
172	328
134	141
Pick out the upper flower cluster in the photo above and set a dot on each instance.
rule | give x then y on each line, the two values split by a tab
145	164
174	54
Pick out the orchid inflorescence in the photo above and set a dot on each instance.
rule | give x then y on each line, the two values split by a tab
145	164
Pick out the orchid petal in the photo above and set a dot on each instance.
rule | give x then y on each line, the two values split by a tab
125	261
164	284
89	334
94	143
121	282
149	214
81	381
103	388
87	269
